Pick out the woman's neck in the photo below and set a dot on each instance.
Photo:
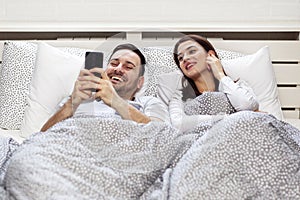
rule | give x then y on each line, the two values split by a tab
205	82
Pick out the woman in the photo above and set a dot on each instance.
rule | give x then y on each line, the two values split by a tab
199	63
247	155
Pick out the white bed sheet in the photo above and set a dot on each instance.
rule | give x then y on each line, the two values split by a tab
294	122
13	134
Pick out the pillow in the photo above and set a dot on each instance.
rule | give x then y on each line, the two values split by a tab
257	70
158	60
228	55
53	79
18	61
164	84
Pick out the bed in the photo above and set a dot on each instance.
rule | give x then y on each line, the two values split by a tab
283	52
34	64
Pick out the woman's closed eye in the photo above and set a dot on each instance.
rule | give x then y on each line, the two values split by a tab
192	51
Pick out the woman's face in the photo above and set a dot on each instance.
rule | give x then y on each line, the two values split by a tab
192	59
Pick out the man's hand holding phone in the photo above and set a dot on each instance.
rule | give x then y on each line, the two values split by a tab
104	88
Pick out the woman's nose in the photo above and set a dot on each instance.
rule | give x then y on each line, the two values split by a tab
185	57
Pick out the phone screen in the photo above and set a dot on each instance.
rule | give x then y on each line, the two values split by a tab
92	60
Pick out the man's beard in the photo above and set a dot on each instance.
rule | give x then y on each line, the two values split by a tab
124	90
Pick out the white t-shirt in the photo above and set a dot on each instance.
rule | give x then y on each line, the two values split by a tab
240	95
150	106
173	90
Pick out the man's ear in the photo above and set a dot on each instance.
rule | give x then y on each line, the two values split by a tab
140	82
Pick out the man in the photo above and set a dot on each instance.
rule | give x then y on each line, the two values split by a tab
116	89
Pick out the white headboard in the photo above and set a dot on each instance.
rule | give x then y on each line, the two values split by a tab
285	53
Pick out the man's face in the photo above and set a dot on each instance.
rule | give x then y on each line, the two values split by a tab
123	71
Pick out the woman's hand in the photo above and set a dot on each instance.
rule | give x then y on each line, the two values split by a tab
214	65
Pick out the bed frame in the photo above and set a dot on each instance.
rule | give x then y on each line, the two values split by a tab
284	49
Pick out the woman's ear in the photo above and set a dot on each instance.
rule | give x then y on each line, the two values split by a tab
211	52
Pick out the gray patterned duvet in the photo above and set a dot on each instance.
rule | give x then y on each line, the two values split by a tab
245	155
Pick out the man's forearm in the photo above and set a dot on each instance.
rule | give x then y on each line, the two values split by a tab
65	112
129	112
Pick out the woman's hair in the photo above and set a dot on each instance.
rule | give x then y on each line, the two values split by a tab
133	48
201	41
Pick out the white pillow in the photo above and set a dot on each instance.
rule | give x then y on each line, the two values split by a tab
18	63
166	83
53	79
257	70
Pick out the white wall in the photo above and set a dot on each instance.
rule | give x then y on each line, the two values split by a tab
94	15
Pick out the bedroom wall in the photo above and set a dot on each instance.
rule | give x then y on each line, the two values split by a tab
94	15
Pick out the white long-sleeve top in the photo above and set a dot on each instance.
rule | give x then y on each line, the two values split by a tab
173	90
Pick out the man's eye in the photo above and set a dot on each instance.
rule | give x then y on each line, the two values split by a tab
114	64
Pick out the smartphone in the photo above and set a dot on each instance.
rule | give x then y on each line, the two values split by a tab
93	59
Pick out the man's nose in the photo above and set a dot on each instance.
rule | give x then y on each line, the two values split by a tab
119	67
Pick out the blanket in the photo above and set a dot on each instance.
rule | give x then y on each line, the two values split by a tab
93	158
244	155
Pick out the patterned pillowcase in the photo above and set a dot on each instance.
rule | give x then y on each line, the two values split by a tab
18	62
159	60
228	55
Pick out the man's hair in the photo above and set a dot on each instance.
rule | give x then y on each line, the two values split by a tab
133	48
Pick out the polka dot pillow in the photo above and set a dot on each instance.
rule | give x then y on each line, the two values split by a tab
18	62
228	55
159	60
